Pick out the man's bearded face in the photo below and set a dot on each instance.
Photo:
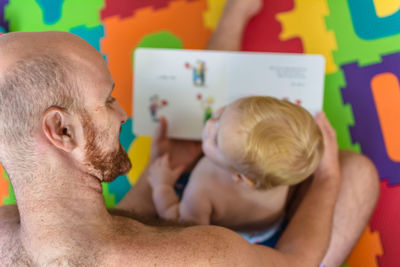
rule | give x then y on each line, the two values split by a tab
103	164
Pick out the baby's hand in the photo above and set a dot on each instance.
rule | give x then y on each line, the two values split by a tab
160	172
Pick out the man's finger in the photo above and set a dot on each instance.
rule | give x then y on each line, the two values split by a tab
325	126
331	132
165	159
321	123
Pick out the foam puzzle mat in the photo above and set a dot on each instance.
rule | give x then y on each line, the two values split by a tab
359	39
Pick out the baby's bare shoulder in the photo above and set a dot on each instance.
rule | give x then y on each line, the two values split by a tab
204	171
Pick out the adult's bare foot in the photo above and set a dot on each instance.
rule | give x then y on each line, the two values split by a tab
228	35
245	9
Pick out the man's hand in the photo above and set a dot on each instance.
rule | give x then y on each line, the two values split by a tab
329	166
160	172
309	230
181	152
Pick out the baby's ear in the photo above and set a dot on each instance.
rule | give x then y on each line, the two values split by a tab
243	180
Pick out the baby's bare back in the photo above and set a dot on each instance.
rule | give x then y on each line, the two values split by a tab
234	205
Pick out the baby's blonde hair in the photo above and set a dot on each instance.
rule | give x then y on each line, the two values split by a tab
283	144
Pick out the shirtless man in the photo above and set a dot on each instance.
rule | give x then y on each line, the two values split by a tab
59	131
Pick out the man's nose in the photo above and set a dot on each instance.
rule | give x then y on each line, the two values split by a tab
123	115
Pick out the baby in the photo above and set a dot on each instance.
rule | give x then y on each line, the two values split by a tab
255	148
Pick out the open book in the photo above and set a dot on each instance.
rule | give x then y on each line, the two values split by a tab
187	86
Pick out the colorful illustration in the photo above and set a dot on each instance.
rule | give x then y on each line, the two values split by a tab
155	105
199	72
206	105
359	40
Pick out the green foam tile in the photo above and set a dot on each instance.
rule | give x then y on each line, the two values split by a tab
108	197
11	196
340	115
351	48
26	15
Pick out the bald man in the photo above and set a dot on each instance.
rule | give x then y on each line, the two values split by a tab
59	128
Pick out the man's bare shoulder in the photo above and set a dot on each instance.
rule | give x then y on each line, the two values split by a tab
180	246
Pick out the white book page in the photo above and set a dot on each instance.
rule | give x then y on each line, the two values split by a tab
181	85
295	77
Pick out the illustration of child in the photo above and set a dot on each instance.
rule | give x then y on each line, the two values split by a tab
199	71
155	105
206	105
255	149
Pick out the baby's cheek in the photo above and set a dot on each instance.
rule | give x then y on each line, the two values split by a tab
207	132
207	147
204	135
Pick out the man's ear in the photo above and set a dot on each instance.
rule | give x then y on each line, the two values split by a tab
58	127
243	179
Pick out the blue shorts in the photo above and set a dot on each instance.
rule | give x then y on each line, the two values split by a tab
268	237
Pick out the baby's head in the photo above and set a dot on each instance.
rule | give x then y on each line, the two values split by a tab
268	142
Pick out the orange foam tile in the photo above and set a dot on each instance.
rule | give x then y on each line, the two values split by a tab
183	19
368	248
3	186
386	91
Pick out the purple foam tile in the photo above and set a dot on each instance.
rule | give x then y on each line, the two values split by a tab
3	23
367	130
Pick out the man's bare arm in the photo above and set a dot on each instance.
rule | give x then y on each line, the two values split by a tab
309	230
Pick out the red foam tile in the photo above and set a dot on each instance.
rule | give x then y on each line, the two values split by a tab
262	32
386	220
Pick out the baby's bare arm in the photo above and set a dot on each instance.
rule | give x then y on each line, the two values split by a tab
162	179
166	202
195	206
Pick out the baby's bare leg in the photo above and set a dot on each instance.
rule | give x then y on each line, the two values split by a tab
229	32
357	199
